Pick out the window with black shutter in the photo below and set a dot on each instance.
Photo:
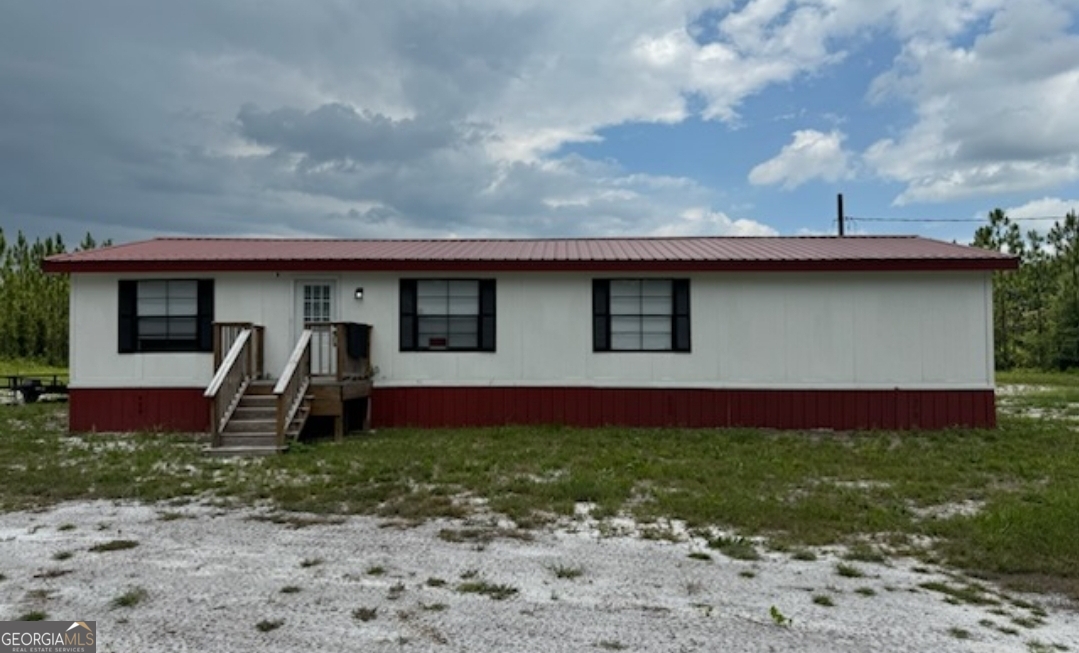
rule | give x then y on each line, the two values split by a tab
640	315
447	315
166	315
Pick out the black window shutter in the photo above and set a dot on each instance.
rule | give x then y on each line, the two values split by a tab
205	329
680	330
601	315
127	324
487	315
408	315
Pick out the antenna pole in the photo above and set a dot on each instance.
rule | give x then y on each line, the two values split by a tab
839	211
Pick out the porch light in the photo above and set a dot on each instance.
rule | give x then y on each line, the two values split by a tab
359	293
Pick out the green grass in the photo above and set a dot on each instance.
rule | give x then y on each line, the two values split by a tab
129	599
496	592
22	367
567	572
823	600
848	571
33	615
796	490
113	545
738	548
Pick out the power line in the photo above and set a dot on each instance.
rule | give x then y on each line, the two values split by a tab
932	220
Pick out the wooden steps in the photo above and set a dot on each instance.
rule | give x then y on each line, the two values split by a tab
252	428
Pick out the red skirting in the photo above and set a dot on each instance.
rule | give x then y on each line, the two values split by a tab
780	409
138	409
185	409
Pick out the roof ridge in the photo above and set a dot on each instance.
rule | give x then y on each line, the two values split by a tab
534	239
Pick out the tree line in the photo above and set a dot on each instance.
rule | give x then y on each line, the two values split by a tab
1035	308
34	305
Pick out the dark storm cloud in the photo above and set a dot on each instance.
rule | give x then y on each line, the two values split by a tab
335	132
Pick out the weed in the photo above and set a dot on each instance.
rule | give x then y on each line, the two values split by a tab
365	614
307	563
114	545
803	554
1008	630
297	522
66	526
2	578
33	615
699	555
778	617
610	645
266	625
396	591
53	573
738	548
694	587
376	570
433	607
567	572
496	592
1028	622
848	571
469	573
171	516
866	591
129	599
863	552
291	589
823	599
483	535
972	594
435	582
959	633
63	555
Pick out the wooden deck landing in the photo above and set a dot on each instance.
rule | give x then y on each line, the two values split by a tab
338	399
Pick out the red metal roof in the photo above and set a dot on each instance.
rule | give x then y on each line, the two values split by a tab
803	253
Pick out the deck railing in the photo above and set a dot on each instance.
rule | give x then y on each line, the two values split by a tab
230	380
341	350
225	333
292	387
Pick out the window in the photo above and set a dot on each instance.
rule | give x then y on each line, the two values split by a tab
317	304
166	315
447	314
640	315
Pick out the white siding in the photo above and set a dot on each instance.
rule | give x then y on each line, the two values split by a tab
759	330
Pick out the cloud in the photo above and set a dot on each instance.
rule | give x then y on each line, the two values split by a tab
810	155
704	222
428	118
996	116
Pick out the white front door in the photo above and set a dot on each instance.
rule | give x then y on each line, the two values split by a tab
316	303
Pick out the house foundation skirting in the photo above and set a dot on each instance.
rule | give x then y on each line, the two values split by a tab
652	407
138	409
185	409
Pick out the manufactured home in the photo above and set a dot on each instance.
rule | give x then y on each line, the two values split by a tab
783	332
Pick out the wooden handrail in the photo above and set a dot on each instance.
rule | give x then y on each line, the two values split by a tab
230	380
292	386
330	352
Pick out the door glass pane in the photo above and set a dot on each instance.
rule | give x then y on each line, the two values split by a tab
316	303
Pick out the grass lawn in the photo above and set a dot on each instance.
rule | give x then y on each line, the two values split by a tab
30	368
896	492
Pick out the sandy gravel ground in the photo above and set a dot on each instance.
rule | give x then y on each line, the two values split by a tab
211	575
